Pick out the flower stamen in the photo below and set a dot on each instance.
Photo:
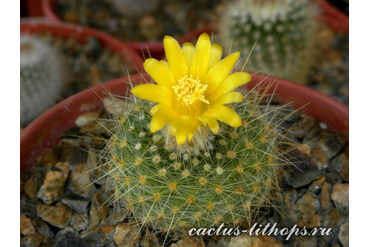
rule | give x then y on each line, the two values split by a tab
189	90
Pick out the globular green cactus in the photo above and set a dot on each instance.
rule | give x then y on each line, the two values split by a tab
136	8
205	155
172	187
278	35
41	73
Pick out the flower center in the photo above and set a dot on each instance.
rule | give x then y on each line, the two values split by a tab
190	95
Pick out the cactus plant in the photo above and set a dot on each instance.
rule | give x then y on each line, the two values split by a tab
41	73
278	35
191	161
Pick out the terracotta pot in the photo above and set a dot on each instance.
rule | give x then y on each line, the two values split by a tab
45	131
81	35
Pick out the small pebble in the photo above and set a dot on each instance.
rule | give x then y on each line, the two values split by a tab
126	235
56	216
32	240
344	234
340	197
26	225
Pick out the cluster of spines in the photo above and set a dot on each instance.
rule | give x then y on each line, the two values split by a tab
172	189
42	73
277	36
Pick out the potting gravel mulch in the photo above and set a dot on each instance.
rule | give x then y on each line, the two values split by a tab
165	17
63	200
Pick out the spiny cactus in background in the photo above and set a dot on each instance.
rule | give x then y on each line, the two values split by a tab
41	74
191	161
136	8
283	31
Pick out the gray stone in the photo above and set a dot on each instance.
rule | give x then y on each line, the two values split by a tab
245	240
46	161
53	186
325	195
149	239
67	230
116	216
108	231
299	179
340	197
94	239
74	156
339	168
316	185
26	226
344	234
305	241
330	218
76	202
56	216
320	157
310	199
304	216
69	239
80	182
126	235
98	212
303	125
331	143
32	240
33	185
79	222
42	227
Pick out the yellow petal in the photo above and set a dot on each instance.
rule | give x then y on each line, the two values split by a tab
231	82
156	108
224	114
199	65
230	97
188	52
216	53
152	92
159	72
186	129
211	122
173	126
162	117
175	58
220	71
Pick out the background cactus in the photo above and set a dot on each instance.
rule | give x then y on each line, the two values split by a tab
172	187
283	32
41	74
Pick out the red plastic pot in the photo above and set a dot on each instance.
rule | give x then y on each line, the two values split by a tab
45	131
337	20
31	8
81	35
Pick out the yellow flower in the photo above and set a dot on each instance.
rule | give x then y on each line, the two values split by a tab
192	88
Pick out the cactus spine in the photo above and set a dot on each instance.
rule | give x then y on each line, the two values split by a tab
171	187
283	32
41	75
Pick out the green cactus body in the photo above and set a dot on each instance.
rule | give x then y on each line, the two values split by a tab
171	187
41	75
278	35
